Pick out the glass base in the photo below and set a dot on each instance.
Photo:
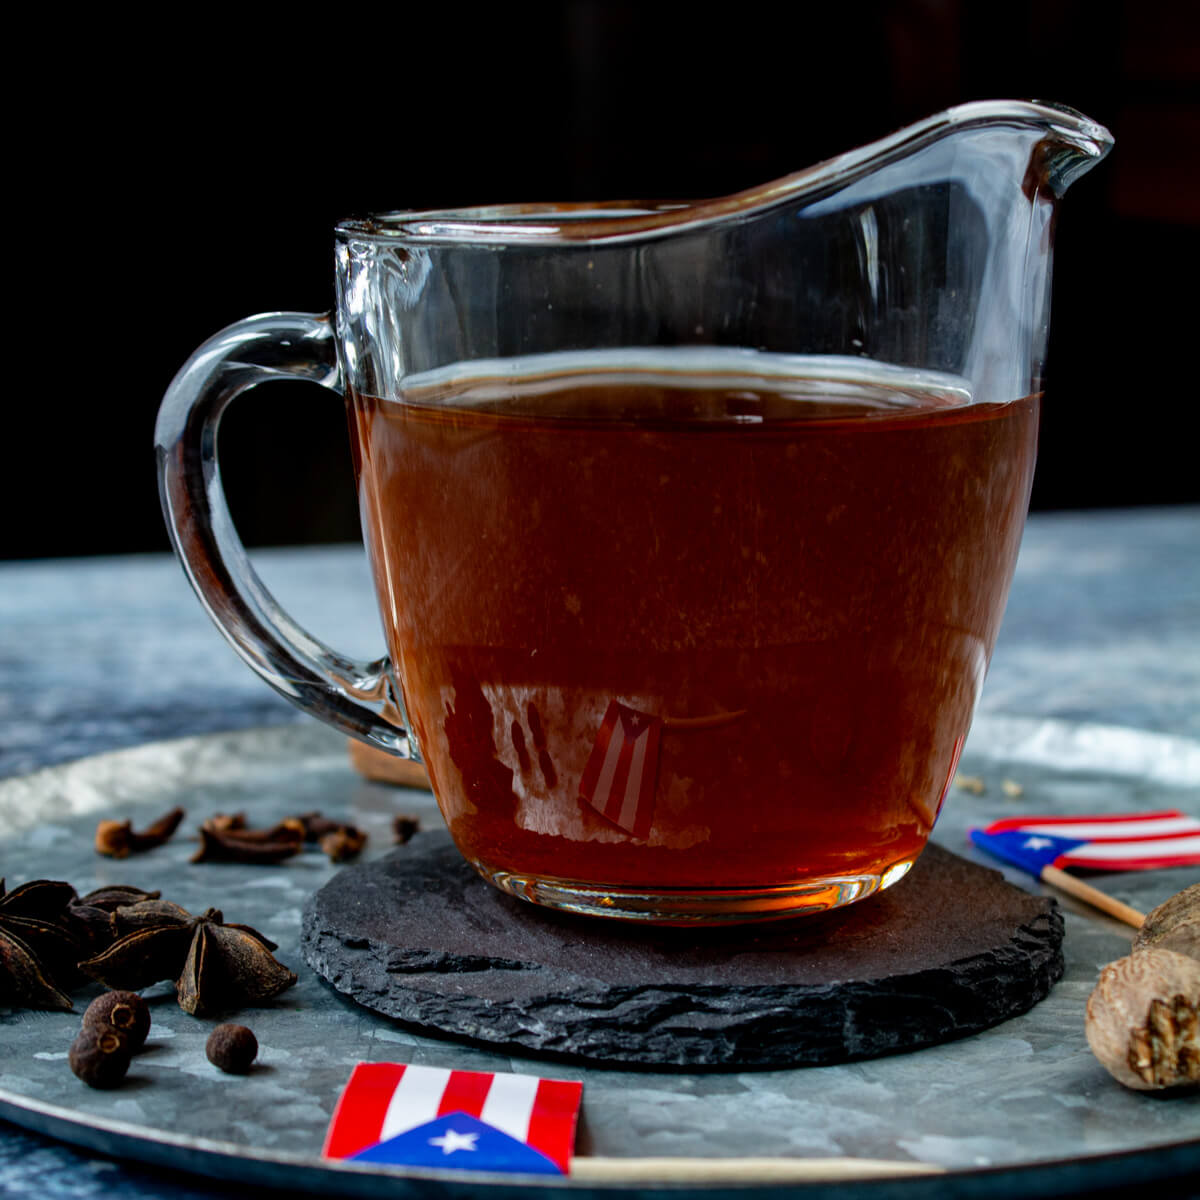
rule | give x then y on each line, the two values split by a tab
696	906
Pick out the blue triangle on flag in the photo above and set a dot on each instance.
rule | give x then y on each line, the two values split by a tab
459	1140
1025	848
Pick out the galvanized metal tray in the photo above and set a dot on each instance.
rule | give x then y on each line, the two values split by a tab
1021	1108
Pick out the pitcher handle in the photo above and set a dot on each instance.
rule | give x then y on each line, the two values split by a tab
341	691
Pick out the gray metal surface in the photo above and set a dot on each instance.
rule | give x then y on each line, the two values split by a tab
96	654
1023	1094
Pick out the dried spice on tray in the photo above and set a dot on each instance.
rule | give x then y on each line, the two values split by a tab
46	929
226	837
117	839
215	966
52	939
39	944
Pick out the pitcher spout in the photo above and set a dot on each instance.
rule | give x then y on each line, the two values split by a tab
1042	147
1072	146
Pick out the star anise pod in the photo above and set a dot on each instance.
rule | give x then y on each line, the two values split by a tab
215	966
92	914
150	944
149	913
39	945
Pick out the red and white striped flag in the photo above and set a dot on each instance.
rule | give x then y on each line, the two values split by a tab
433	1116
621	775
1125	842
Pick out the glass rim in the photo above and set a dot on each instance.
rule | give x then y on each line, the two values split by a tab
559	224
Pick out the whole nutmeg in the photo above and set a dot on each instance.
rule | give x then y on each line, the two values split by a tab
100	1056
232	1048
1143	1020
126	1012
1173	925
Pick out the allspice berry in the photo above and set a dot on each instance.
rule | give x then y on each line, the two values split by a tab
1173	925
232	1048
100	1056
1143	1020
126	1012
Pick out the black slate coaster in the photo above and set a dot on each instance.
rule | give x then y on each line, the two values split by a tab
948	951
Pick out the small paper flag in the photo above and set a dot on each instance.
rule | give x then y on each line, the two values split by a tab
436	1117
1131	842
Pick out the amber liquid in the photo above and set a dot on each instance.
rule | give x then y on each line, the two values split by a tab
812	570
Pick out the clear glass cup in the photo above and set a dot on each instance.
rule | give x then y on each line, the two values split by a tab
692	524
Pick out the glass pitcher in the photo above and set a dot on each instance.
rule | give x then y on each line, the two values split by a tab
692	525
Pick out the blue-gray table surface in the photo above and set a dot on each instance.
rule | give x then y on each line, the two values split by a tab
1103	625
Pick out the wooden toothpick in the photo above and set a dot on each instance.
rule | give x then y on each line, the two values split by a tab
1056	877
743	1170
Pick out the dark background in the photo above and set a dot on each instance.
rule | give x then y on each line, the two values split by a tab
172	180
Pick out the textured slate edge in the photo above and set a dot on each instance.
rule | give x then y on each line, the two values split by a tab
694	1028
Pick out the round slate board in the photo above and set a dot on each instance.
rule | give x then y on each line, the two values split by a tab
948	951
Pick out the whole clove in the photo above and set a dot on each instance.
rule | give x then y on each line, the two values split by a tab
238	844
404	827
117	839
344	843
317	826
235	826
339	839
222	822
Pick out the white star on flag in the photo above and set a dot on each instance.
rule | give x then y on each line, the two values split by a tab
452	1140
1037	843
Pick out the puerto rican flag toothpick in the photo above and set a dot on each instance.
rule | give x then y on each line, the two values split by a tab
437	1117
1046	846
